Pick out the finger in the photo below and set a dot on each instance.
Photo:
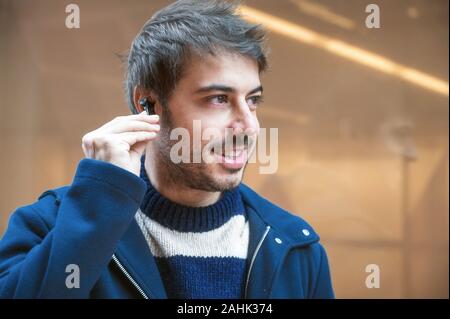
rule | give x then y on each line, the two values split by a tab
133	126
85	151
139	147
87	146
132	138
152	119
143	116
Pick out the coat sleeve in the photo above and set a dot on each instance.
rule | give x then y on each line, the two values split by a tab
323	288
42	244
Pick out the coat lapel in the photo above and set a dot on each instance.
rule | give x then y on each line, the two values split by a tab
134	254
284	233
263	257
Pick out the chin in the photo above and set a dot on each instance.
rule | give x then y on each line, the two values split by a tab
229	179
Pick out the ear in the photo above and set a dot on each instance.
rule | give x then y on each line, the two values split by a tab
140	93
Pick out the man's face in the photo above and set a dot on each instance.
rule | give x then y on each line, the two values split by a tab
222	92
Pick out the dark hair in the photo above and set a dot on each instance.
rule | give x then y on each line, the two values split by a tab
166	41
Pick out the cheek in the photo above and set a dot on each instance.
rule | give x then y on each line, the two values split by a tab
186	114
207	123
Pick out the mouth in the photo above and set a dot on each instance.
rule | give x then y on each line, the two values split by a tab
233	159
232	153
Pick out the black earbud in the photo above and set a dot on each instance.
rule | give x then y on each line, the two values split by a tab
149	107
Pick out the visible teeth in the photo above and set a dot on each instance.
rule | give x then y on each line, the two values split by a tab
232	154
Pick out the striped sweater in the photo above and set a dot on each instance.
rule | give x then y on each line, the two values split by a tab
200	251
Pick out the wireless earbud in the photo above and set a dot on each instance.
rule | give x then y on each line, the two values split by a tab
149	107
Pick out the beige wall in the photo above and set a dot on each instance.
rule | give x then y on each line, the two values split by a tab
342	163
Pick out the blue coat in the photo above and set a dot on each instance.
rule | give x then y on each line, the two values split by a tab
91	224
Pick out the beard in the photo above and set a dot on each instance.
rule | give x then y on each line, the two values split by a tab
198	176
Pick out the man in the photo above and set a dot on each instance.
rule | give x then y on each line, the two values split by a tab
134	223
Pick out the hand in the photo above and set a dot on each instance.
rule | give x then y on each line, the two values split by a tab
122	141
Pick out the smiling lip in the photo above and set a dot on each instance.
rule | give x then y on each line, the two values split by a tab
234	160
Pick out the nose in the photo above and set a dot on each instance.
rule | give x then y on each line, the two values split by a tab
244	120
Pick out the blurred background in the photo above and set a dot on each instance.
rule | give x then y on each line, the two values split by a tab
362	116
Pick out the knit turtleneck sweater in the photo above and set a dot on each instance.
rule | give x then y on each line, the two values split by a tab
200	251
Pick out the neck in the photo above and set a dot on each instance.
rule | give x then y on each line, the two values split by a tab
172	189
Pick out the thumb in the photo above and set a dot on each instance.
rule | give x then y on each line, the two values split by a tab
139	148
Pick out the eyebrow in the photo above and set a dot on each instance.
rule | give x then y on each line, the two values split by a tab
224	88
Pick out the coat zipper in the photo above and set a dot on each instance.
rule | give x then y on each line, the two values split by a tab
254	257
125	272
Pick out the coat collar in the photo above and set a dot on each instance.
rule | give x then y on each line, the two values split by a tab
273	233
292	228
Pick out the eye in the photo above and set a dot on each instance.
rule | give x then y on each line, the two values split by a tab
218	99
255	101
